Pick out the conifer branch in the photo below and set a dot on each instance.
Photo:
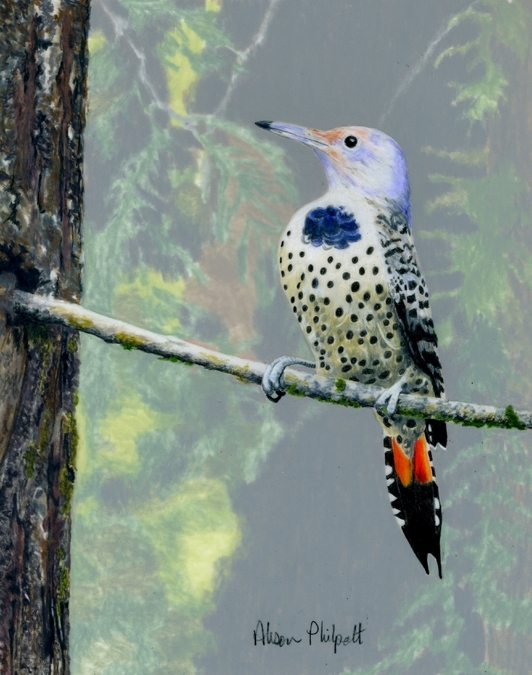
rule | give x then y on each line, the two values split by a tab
49	310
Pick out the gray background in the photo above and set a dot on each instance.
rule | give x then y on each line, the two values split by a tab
320	542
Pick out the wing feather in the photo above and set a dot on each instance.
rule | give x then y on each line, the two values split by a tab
409	293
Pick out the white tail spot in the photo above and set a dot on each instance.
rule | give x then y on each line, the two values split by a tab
396	511
390	481
400	521
387	469
437	504
391	497
436	520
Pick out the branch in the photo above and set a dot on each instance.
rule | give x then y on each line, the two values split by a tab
342	392
245	54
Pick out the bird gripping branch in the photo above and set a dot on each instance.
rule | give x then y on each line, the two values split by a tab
349	268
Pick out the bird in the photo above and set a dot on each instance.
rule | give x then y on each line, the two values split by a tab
349	268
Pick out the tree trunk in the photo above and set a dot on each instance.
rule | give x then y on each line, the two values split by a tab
43	67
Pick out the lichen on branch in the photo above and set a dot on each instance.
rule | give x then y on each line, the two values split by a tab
340	392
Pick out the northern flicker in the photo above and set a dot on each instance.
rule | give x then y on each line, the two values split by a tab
349	268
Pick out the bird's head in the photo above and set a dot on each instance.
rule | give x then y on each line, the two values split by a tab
366	160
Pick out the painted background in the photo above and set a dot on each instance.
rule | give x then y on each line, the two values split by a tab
200	507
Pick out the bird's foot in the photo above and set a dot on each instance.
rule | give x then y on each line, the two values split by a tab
386	404
273	383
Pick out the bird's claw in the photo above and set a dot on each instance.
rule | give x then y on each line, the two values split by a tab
273	383
386	404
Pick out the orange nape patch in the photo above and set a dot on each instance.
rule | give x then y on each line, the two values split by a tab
422	468
340	133
402	464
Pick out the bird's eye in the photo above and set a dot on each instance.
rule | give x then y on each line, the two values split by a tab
351	141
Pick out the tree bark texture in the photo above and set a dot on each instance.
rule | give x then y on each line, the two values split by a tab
43	68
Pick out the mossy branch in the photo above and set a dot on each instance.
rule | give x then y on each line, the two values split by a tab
340	392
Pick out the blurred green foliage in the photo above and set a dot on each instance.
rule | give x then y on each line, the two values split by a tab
488	329
193	214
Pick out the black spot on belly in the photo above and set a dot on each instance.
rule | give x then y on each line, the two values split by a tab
330	340
370	250
323	270
330	259
326	301
330	284
366	297
349	335
289	268
373	340
379	289
362	271
312	297
290	256
354	318
316	319
375	270
339	311
348	298
315	283
346	368
309	329
346	276
310	268
354	260
355	286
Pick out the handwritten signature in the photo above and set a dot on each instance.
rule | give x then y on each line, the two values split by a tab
317	634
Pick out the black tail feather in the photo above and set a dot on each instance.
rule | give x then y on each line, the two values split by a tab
417	509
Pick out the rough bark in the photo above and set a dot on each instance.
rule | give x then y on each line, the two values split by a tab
43	64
